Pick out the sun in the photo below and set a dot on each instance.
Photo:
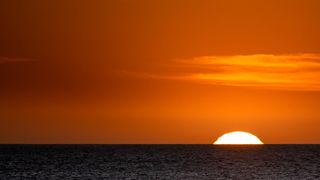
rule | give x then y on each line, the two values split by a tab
238	137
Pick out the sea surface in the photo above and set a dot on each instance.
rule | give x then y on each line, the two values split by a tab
159	162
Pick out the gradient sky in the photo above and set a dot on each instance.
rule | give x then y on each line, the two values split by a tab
160	71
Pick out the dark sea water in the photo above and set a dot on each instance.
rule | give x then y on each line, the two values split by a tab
159	162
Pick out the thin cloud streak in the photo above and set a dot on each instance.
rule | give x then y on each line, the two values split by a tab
287	72
4	60
292	72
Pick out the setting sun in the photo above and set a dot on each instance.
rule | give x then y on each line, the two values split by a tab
238	137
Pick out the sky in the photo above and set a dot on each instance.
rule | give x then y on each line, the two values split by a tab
161	71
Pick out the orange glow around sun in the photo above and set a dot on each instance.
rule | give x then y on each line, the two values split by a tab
238	137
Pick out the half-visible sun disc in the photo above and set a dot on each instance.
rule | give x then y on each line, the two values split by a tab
238	137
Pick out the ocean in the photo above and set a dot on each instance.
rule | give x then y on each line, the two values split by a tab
159	162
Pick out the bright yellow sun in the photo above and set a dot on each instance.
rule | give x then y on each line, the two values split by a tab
238	137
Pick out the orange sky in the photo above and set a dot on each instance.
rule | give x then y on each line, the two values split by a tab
162	71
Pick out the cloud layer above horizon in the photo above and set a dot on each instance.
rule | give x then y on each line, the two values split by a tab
287	72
